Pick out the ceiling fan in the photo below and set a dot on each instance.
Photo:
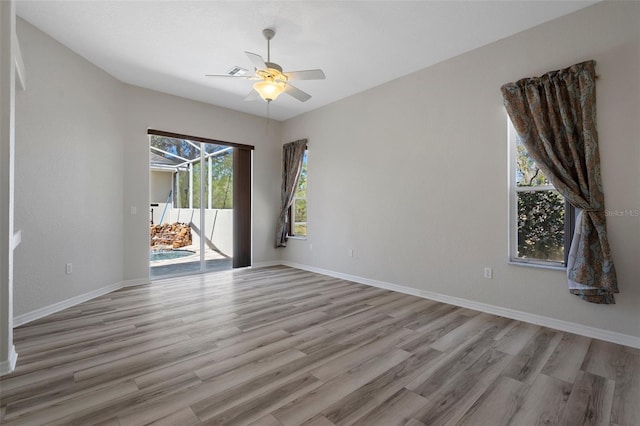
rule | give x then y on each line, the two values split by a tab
272	81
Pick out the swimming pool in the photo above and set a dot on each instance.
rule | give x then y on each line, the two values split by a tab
168	254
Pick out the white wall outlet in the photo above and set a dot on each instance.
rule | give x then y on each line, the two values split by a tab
134	210
350	252
310	247
69	268
488	273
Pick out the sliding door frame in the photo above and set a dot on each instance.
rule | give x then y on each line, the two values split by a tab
242	178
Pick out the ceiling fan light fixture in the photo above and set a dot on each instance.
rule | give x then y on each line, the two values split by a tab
272	80
269	90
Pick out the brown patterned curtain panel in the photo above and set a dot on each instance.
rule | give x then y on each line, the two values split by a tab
555	115
292	154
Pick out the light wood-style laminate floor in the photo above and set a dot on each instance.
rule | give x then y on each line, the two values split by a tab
280	346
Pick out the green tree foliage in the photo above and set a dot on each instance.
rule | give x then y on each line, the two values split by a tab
541	225
300	203
528	172
221	179
301	193
540	213
221	182
179	147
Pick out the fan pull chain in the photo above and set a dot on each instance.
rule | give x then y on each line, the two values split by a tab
268	116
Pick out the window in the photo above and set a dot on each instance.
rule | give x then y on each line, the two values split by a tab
541	220
298	210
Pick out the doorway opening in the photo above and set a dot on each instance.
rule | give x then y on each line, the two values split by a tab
200	205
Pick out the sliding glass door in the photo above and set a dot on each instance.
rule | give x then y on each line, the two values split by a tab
194	204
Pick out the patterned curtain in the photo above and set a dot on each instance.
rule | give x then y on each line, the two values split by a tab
292	154
555	115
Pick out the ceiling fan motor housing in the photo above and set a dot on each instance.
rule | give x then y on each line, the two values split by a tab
268	33
273	66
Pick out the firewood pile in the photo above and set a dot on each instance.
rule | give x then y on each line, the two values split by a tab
170	235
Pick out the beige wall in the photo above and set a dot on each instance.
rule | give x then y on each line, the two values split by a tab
82	146
69	175
412	175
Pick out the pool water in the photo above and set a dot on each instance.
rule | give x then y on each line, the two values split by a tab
168	254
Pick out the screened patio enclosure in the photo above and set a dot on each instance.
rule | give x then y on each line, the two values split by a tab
191	211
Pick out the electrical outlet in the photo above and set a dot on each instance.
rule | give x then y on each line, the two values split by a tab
488	273
133	210
69	268
310	247
350	252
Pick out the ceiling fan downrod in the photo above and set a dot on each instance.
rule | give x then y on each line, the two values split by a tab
268	33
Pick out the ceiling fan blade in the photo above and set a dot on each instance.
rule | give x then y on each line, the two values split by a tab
257	61
297	93
306	75
252	96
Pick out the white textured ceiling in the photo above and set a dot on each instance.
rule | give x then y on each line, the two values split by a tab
170	45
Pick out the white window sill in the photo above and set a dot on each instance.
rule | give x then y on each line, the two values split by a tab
297	237
538	265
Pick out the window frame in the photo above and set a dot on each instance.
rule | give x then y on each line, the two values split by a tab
291	211
569	215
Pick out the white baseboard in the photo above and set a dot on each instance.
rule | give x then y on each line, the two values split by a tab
64	304
133	283
59	306
596	333
583	330
8	365
267	264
